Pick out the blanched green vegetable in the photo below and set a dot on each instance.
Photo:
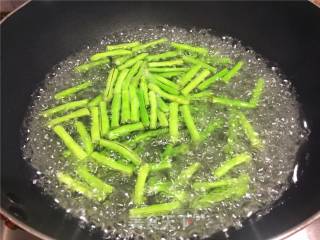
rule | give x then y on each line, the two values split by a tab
112	164
163	94
166	63
190	48
111	79
170	74
189	59
252	135
163	121
187	117
232	72
220	194
134	104
162	56
153	110
125	130
70	91
74	147
95	124
149	44
94	182
195	82
144	88
212	126
87	66
122	150
163	106
65	107
207	83
186	78
174	121
164	81
144	116
225	182
77	186
167	69
116	102
186	174
104	119
84	136
133	60
139	189
73	115
123	45
229	164
125	108
110	53
257	92
95	101
147	135
155	210
232	102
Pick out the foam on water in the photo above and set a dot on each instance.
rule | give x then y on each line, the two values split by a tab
276	120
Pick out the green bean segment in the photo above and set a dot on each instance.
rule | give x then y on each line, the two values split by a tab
230	164
65	107
207	83
166	63
149	44
95	101
70	91
122	150
232	72
195	82
125	130
154	210
88	66
73	115
163	94
123	45
74	147
195	61
249	131
139	189
257	92
77	186
174	122
95	124
111	79
190	48
112	164
110	53
133	60
162	56
167	69
147	135
195	135
84	136
186	78
93	181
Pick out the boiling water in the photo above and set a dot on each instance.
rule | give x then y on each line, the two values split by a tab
276	120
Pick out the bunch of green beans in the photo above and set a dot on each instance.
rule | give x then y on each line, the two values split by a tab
147	95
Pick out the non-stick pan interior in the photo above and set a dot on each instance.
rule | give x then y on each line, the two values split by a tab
43	33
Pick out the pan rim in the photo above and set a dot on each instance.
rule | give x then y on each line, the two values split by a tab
14	11
24	226
310	220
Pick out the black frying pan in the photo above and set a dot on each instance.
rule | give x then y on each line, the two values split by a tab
42	34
